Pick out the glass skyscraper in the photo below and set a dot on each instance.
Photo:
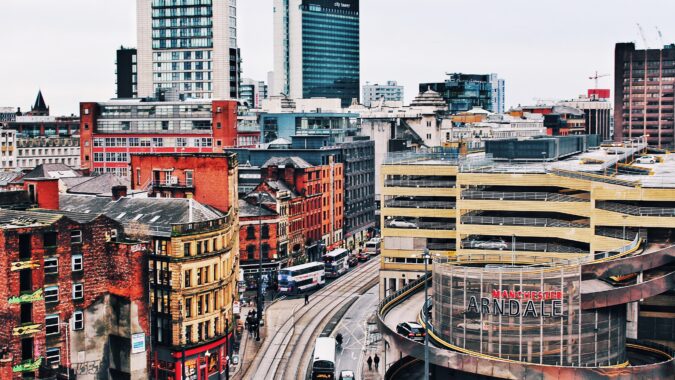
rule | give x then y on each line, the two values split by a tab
189	45
317	49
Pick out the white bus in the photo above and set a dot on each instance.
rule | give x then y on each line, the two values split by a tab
301	278
336	262
373	247
323	359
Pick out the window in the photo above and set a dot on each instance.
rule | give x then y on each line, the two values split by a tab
53	356
52	324
186	249
265	251
199	276
51	265
76	262
51	294
265	231
188	334
188	307
49	239
78	291
188	278
250	233
76	237
188	178
250	252
78	320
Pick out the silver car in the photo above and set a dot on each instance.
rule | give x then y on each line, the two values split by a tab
401	223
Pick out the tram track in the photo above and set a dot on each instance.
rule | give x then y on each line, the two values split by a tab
278	358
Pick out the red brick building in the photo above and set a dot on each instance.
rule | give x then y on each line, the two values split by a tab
205	177
258	233
73	293
321	189
111	131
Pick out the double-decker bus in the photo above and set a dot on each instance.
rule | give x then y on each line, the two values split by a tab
300	278
323	359
336	262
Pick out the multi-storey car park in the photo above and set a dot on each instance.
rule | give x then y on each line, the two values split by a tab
551	256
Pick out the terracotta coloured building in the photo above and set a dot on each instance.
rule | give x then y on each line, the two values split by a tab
258	232
209	178
111	131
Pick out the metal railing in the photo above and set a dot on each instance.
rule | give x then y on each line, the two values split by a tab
209	225
442	246
172	184
529	222
425	158
419	204
617	233
419	183
422	225
520	196
522	246
635	210
594	177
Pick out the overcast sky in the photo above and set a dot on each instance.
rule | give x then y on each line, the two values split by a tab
543	49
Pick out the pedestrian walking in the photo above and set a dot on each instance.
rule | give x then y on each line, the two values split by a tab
306	299
377	362
370	363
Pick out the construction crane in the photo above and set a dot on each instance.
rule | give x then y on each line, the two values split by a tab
596	77
642	34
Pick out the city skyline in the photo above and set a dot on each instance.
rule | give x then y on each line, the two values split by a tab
86	70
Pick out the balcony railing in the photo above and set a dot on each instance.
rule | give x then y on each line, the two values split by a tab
419	183
636	210
513	221
173	184
419	204
521	196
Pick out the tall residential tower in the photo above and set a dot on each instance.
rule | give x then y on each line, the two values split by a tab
317	49
190	45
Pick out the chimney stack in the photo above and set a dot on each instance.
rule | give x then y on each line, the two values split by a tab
119	192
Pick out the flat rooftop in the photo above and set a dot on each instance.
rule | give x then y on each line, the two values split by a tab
602	164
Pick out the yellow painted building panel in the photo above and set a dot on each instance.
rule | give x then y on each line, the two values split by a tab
572	208
615	219
505	179
440	170
420	191
637	194
412	232
576	234
419	212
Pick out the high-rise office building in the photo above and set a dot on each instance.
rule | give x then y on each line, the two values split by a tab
462	92
317	49
373	93
126	73
643	94
252	92
190	45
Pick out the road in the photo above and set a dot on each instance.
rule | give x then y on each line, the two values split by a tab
292	326
353	327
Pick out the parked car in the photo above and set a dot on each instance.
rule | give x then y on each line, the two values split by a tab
490	244
347	375
352	261
412	330
402	223
646	160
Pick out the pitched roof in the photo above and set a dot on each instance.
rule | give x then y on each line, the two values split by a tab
247	209
7	177
155	214
51	171
16	219
40	104
279	185
293	161
98	185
